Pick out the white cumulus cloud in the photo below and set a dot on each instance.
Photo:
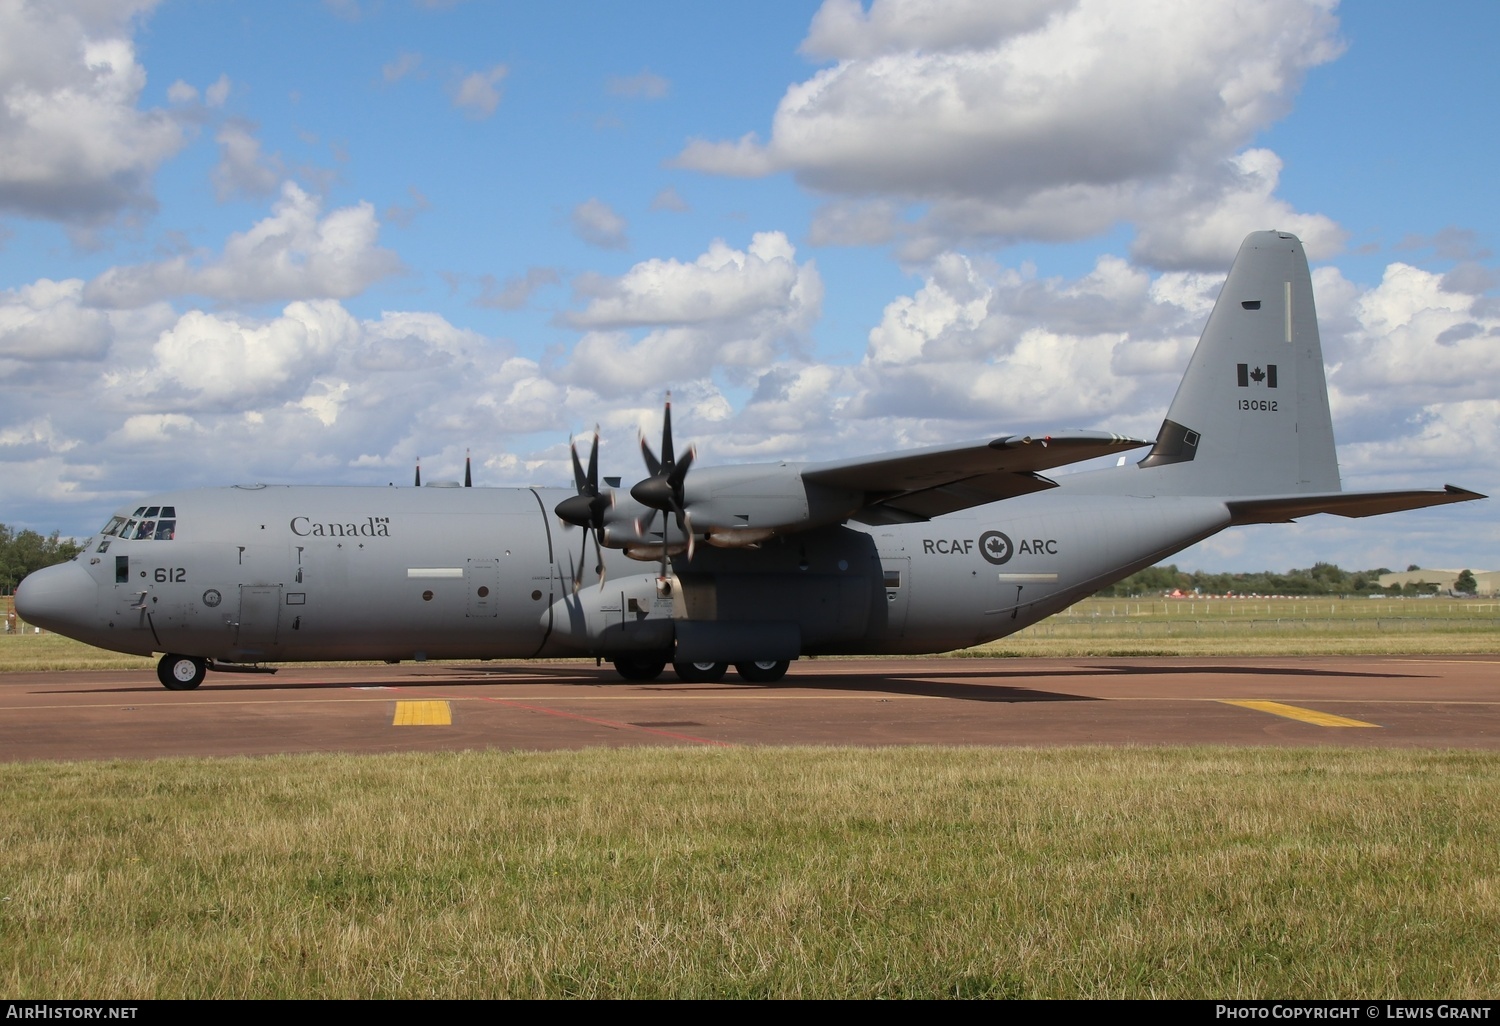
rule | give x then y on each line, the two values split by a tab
47	320
242	168
737	310
297	252
1045	120
596	223
77	147
477	94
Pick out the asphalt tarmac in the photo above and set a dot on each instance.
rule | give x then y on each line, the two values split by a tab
1360	701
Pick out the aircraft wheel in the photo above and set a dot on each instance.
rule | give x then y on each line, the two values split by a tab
700	673
763	671
181	673
639	667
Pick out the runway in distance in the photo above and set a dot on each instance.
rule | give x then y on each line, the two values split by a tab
751	566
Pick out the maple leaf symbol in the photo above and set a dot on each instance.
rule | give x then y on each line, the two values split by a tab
1257	375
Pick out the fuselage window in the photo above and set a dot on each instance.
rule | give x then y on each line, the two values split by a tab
147	529
113	527
166	530
128	531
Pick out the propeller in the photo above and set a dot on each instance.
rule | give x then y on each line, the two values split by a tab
663	490
586	509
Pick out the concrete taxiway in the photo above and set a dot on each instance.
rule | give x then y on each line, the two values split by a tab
1358	701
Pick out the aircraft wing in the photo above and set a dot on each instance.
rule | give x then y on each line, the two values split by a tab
1286	508
924	483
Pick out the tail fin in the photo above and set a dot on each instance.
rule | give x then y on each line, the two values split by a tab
1251	415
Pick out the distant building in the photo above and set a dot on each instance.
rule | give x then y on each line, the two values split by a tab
1487	581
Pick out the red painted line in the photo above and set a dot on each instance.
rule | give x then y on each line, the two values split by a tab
615	724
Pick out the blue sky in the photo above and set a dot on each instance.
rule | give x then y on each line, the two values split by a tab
312	242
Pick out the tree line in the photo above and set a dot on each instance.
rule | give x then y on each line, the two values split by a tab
1318	579
21	552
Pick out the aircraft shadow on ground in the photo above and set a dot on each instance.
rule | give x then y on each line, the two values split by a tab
1265	671
955	684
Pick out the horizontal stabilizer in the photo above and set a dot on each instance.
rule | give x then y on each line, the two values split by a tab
924	483
1284	509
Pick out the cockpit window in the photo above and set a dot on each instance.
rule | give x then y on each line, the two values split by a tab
148	523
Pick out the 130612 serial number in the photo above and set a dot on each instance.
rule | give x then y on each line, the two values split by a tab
1257	405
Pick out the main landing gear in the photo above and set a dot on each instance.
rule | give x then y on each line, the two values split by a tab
764	671
643	668
639	667
181	673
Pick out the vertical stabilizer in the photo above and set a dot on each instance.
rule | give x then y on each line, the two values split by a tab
1251	415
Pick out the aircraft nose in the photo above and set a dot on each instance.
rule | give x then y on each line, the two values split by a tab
56	598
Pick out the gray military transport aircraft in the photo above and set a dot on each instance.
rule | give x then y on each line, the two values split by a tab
921	551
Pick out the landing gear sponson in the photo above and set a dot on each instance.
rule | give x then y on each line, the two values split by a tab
643	668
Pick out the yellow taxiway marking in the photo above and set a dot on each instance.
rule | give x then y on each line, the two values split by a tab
1293	712
423	714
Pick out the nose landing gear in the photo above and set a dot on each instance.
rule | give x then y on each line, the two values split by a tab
180	672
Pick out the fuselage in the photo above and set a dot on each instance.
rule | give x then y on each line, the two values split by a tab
251	574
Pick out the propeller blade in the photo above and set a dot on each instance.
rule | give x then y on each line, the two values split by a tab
468	474
593	474
666	533
666	433
679	472
579	481
652	463
578	569
599	553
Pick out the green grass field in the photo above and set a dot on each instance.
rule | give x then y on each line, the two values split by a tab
756	873
1301	626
